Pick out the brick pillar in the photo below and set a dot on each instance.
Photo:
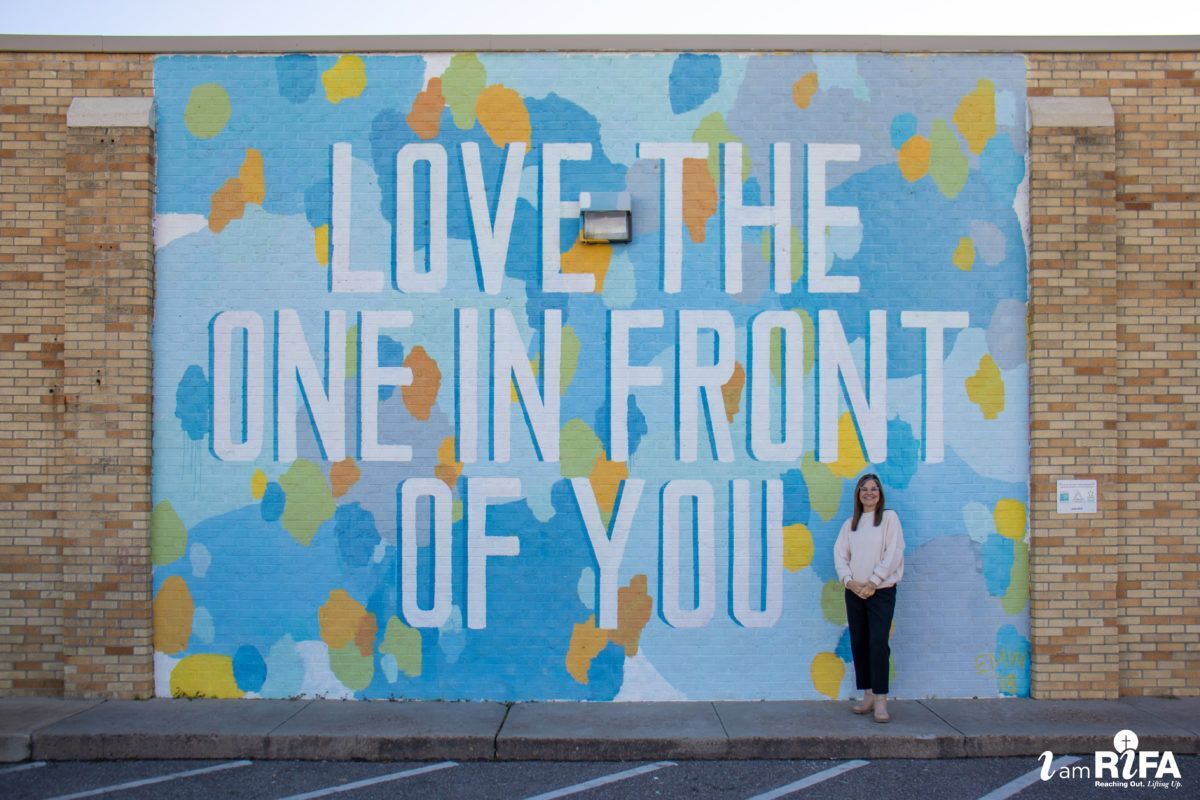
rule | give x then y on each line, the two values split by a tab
1075	560
107	313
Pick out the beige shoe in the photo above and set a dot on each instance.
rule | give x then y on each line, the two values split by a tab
865	706
881	712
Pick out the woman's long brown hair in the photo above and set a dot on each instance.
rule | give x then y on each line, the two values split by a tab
858	506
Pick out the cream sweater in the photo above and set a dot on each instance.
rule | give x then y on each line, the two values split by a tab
873	553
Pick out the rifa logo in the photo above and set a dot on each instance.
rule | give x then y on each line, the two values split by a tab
1125	766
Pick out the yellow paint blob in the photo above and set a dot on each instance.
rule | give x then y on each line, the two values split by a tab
797	547
964	254
827	671
914	158
503	115
634	607
590	259
321	244
606	480
448	468
986	388
731	391
205	675
258	484
975	116
229	202
1009	515
173	611
851	460
586	643
344	80
804	89
342	620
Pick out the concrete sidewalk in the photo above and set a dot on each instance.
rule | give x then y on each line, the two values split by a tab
51	729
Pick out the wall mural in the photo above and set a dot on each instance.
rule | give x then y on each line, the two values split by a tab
413	438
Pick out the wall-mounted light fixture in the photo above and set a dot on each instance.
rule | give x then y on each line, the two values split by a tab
605	218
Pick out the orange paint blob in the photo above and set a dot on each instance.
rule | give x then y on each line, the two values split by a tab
699	197
343	475
420	395
425	119
173	611
914	158
804	89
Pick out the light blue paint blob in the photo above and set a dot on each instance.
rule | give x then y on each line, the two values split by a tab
451	638
997	564
296	75
1006	108
193	399
1002	167
620	285
202	626
844	241
1006	334
695	77
989	242
391	670
200	559
904	127
979	521
840	71
285	670
587	588
249	669
1012	662
272	503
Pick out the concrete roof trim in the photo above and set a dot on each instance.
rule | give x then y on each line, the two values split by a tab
629	43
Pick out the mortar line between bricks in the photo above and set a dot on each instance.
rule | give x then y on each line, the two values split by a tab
500	727
307	703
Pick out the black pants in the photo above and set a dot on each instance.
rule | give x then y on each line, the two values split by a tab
870	623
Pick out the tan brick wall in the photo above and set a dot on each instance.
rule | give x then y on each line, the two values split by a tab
40	501
1154	548
1115	598
1073	410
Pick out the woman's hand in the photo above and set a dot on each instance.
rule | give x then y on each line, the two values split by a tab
868	589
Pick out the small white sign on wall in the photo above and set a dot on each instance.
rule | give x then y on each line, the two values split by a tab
1076	497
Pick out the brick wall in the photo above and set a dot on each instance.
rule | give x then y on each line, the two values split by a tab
1153	549
47	498
1114	335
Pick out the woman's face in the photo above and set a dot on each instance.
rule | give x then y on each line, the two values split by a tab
868	495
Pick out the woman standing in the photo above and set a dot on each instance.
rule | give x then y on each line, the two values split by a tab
869	556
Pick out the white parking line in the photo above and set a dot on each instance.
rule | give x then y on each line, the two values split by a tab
1027	780
21	767
811	780
391	776
601	781
157	779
